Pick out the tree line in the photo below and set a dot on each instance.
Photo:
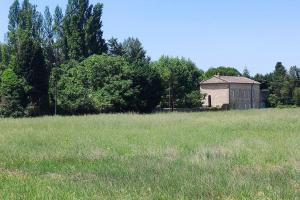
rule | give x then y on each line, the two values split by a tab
60	63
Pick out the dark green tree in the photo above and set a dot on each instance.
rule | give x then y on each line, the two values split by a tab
115	48
82	28
60	41
146	85
181	79
28	60
12	93
103	83
14	16
4	57
73	25
48	40
93	31
223	71
296	96
280	90
134	51
246	73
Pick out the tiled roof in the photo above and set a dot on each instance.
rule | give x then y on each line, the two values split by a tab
229	79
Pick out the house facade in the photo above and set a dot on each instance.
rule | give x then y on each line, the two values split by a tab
233	92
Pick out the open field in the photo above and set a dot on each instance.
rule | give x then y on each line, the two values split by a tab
226	155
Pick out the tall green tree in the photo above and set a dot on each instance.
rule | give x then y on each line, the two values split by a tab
280	90
4	56
181	79
48	39
115	48
296	96
28	57
246	73
93	31
12	92
82	26
60	41
73	25
13	16
134	50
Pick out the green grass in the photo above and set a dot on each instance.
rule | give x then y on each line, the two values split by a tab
225	155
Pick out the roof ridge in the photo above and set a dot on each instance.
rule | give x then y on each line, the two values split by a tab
230	79
219	77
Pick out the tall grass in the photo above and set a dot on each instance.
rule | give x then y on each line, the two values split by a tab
228	155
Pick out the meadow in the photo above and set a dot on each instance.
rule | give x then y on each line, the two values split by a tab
251	154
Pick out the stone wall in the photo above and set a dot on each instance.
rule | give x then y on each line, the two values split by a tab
219	94
240	96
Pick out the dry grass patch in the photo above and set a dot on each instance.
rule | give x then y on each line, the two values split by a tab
13	173
97	154
210	153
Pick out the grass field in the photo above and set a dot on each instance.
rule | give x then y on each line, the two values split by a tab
225	155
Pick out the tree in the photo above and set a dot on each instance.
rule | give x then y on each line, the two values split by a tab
103	83
14	16
223	71
73	25
246	73
32	68
94	34
60	41
294	75
28	61
296	96
147	87
4	57
134	51
82	30
115	48
280	90
12	93
48	40
181	78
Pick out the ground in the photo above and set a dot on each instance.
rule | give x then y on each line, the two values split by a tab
219	155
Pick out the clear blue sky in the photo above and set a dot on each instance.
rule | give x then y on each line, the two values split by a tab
238	33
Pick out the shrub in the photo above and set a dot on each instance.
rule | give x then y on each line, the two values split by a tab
105	84
12	93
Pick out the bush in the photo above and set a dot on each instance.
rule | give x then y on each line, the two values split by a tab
12	93
296	96
194	99
105	84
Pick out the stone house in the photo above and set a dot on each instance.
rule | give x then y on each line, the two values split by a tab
231	92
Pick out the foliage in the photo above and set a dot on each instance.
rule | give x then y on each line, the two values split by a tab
28	63
107	84
223	71
4	57
12	93
246	73
82	30
54	57
134	51
115	48
279	86
147	87
180	78
296	96
193	99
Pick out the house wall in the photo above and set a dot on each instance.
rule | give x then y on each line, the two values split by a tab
240	96
219	94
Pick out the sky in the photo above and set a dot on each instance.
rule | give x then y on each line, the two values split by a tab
249	33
